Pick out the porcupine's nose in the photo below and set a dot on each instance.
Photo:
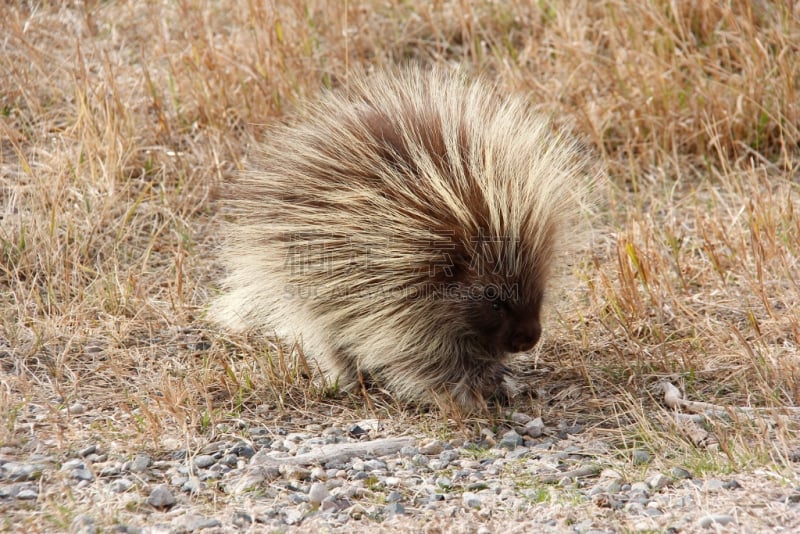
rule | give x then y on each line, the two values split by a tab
526	338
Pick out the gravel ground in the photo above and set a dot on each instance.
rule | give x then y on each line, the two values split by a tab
349	478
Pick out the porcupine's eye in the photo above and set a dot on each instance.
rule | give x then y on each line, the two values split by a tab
495	300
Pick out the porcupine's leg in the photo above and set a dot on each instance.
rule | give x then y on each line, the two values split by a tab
480	383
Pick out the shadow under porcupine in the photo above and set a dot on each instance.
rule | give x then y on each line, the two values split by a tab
405	227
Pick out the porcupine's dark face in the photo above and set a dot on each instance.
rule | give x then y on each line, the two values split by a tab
505	322
502	315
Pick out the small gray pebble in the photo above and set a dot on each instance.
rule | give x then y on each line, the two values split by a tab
76	408
355	431
715	519
633	507
652	512
73	464
298	498
82	474
204	460
140	463
444	482
641	457
121	485
520	418
27	495
519	452
409	451
91	449
242	520
193	522
243	450
640	487
732	484
17	472
394	508
714	484
680	473
82	524
658	481
374	465
470	500
229	460
534	428
110	471
193	485
613	486
437	464
450	455
394	496
511	440
420	460
433	448
318	493
161	497
292	516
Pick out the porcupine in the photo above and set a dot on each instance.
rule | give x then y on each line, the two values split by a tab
404	228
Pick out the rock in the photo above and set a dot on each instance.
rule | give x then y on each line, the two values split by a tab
82	524
409	451
680	473
242	520
73	464
82	474
658	481
534	428
161	497
76	408
394	508
292	516
431	448
510	440
374	465
204	460
641	457
732	484
27	494
243	450
714	484
192	523
91	449
317	493
355	431
520	418
519	452
448	456
420	460
18	472
193	485
470	500
711	520
140	463
444	482
121	485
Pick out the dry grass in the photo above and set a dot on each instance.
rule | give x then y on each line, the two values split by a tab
119	121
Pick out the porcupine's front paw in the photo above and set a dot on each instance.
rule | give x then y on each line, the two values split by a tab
488	382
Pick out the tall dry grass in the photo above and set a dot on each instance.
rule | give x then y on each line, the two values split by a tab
120	120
